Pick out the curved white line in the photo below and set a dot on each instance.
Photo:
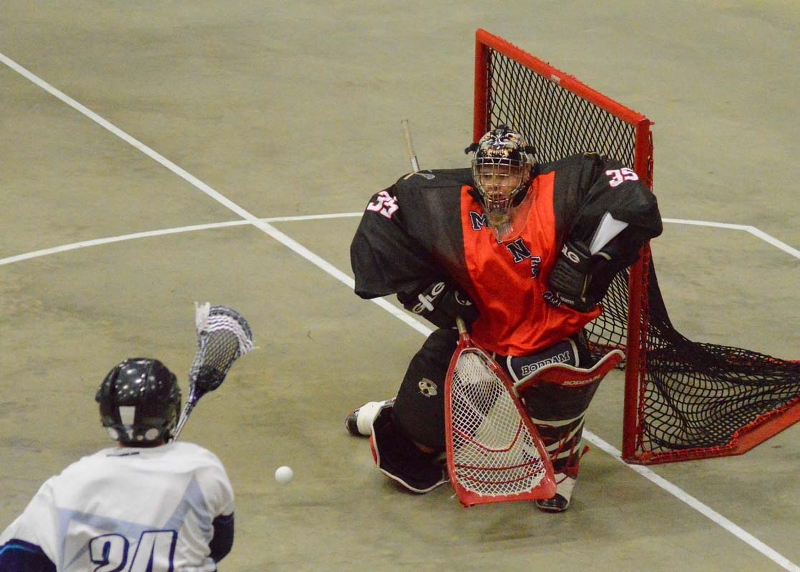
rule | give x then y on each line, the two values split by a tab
99	241
344	278
166	231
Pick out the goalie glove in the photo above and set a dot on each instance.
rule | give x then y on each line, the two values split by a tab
571	276
440	303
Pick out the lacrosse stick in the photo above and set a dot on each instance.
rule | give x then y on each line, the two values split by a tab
494	452
223	336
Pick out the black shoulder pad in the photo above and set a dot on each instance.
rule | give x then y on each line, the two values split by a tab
577	160
435	179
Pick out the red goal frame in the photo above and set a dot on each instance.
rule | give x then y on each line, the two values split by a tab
509	85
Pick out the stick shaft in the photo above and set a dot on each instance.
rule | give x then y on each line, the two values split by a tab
187	409
409	146
461	325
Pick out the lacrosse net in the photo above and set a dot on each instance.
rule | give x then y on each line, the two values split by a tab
683	399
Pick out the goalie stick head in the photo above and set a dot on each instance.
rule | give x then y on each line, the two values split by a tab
494	452
139	402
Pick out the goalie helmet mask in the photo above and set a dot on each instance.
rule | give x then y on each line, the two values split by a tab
140	402
502	169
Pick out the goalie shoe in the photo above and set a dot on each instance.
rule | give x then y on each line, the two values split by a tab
359	421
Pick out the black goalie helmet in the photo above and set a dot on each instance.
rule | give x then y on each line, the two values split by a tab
140	402
502	168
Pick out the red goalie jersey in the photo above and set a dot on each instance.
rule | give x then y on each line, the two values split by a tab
430	226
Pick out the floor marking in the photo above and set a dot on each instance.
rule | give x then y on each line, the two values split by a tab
400	314
697	505
751	229
163	232
147	234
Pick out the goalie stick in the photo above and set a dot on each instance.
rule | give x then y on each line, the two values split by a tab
494	453
223	336
409	147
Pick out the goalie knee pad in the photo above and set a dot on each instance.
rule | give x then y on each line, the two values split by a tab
400	459
419	405
572	351
559	390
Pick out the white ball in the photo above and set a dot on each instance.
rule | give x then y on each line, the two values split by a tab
284	474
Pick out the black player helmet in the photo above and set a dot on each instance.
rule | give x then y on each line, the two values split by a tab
502	167
140	402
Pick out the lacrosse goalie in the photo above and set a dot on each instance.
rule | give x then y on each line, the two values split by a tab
513	248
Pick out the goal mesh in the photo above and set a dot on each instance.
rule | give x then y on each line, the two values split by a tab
493	451
683	399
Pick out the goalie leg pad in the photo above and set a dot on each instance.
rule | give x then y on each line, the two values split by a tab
568	351
558	411
419	405
399	458
572	351
562	440
552	402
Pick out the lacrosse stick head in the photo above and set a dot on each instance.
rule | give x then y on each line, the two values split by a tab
223	336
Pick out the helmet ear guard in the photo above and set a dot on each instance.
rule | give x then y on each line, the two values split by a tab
139	402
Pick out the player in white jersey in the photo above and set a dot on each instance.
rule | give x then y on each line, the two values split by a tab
147	505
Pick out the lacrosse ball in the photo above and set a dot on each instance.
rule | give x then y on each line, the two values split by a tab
284	474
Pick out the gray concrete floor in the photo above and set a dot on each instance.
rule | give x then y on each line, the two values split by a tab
294	109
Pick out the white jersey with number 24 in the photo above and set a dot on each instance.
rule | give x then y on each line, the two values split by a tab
131	509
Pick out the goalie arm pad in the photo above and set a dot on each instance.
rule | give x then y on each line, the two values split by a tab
440	303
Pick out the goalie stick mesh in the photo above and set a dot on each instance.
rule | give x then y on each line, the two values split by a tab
683	399
494	453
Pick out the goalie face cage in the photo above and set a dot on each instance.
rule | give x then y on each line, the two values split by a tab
683	400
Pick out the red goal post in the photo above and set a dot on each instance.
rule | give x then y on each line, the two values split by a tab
683	400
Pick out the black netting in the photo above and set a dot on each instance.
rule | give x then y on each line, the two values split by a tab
555	121
223	336
697	395
693	395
